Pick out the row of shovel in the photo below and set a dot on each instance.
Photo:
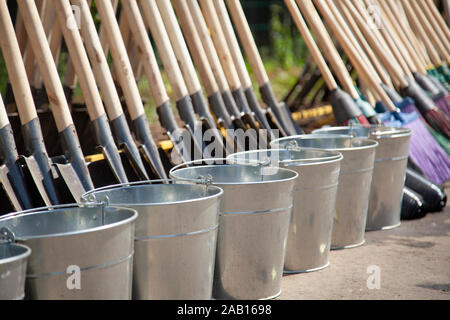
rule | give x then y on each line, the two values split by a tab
117	117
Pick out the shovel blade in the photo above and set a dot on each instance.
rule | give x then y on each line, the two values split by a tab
8	187
73	183
38	178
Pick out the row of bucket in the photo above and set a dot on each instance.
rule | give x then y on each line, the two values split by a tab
222	231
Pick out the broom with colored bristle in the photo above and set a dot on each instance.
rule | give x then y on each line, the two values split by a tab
346	109
412	58
441	26
388	53
359	42
422	141
437	67
397	99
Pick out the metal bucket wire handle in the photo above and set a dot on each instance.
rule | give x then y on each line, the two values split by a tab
90	196
8	236
209	179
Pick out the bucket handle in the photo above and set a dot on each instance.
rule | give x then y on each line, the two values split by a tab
89	197
51	207
7	236
208	179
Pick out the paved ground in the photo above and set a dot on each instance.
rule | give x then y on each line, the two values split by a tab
414	263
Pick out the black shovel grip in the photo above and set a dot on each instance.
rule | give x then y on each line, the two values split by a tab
166	117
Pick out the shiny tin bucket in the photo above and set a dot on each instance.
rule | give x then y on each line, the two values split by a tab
78	251
355	180
389	172
176	235
253	227
309	238
13	266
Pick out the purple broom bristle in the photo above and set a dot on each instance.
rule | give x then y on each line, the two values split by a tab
444	105
426	152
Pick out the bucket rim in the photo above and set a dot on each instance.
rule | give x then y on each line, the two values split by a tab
337	157
369	143
218	195
390	133
59	208
18	257
294	174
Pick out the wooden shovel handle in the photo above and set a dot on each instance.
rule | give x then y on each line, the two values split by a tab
166	52
99	63
55	43
195	45
140	36
29	58
233	44
247	41
80	60
328	49
47	67
4	121
21	33
48	21
179	46
102	33
121	62
16	69
311	44
208	45
220	44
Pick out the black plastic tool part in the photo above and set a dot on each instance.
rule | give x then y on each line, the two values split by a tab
14	175
181	139
344	107
412	205
34	145
426	84
124	139
260	114
143	134
433	196
392	94
280	111
73	153
109	149
201	108
422	101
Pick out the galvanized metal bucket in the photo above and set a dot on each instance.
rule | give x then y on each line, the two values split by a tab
389	172
355	181
176	234
78	251
309	238
253	227
13	267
